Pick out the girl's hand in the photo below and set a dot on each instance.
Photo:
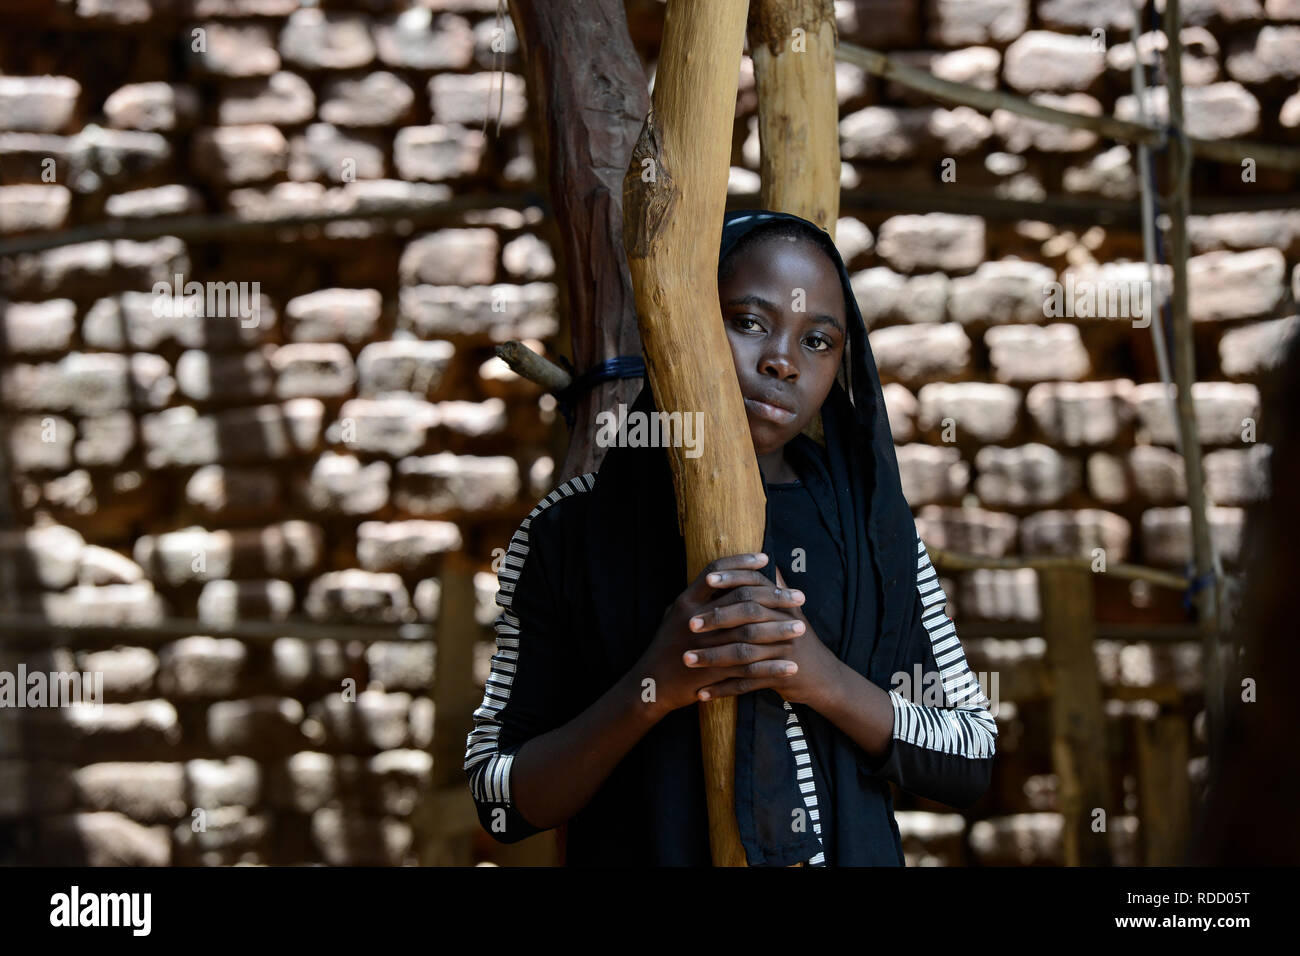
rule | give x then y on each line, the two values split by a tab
729	623
816	668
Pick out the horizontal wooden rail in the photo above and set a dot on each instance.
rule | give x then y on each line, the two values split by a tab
953	561
878	64
171	628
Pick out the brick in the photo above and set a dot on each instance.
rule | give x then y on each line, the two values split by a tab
1238	476
885	297
405	546
334	315
932	241
181	436
969	530
374	721
1028	476
979	411
1158	474
416	39
377	99
1001	291
326	40
963	22
1273	53
155	107
47	557
1167	534
450	256
914	354
99	565
145	792
401	665
103	839
521	312
38	104
40	443
1255	350
220	492
288	549
256	726
38	328
201	667
235	50
311	369
888	133
324	152
438	152
234	155
1020	133
128	671
350	840
1055	62
443	484
1030	353
281	99
1221	410
1235	285
931	474
1245	230
31	208
900	405
470	98
1109	174
1214	111
393	426
1080	413
156	201
113	605
528	257
224	376
341	484
1076	534
223	604
999	594
1200	54
355	595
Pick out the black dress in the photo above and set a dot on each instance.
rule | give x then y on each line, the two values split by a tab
808	551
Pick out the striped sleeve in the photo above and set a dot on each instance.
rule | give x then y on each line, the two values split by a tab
525	691
944	735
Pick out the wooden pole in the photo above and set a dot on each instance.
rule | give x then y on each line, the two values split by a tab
587	93
1164	796
673	200
1078	720
1207	602
792	43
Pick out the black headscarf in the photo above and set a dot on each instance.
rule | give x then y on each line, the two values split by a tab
639	571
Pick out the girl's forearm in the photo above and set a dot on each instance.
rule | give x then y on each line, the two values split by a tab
861	709
555	774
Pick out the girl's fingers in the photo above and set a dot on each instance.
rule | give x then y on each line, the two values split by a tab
762	632
774	673
738	654
700	589
745	605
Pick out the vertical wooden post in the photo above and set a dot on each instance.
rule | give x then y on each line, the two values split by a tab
1164	796
587	97
673	201
1078	721
792	43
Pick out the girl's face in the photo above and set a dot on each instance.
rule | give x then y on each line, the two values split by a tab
783	309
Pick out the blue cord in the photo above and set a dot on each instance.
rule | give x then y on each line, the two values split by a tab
621	366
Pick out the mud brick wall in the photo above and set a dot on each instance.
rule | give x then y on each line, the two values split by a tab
321	463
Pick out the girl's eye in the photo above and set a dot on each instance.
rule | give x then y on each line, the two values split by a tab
822	343
742	319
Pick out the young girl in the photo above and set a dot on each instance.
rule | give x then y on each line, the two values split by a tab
847	671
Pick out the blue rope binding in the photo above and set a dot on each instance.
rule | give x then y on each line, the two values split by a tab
621	366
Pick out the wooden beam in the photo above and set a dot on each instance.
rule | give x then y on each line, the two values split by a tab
1206	597
1078	720
1228	151
792	43
673	201
1164	792
588	96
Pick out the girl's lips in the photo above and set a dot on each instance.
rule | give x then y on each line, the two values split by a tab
771	413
